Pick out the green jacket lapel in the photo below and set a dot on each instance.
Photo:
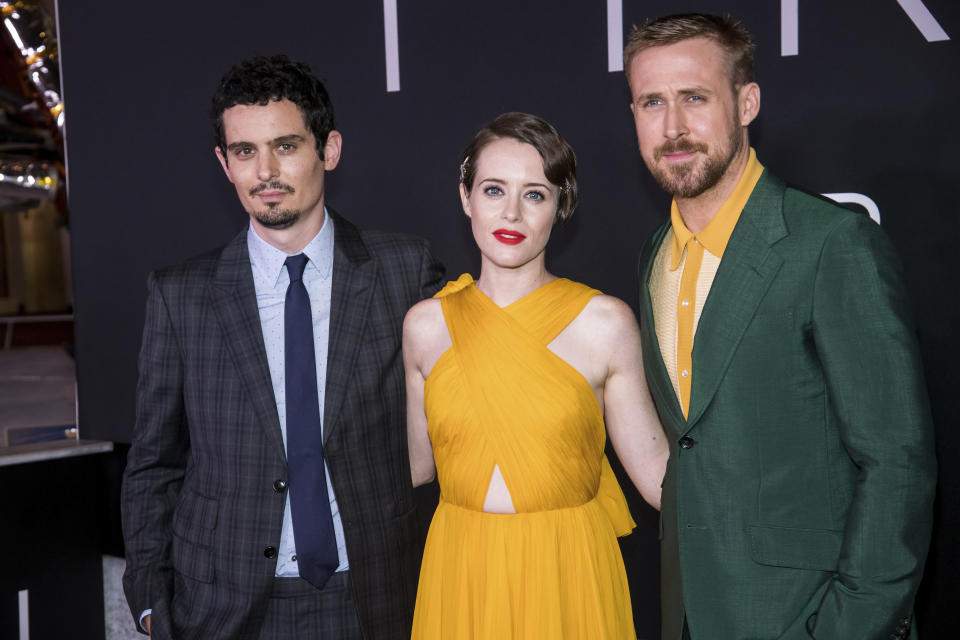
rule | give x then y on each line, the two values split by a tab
747	270
656	372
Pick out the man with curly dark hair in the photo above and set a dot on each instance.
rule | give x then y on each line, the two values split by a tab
267	492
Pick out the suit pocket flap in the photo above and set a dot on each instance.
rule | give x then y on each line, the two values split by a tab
195	516
817	549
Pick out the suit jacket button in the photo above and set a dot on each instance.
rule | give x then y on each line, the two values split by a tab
270	552
686	442
279	486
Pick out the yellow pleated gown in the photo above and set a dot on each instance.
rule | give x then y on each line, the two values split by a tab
499	396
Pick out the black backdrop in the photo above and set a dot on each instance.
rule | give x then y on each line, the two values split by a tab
864	103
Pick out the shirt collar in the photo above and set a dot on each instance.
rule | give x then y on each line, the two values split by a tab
717	233
267	261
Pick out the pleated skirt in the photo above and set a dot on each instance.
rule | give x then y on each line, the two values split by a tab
555	574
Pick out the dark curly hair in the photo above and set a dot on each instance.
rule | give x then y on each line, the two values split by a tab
559	161
260	80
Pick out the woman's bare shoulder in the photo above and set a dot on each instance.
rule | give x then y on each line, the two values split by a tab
423	320
425	335
609	314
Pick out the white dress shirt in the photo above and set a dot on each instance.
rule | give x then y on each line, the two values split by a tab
270	280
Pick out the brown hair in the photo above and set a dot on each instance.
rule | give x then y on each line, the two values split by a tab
260	81
727	32
559	161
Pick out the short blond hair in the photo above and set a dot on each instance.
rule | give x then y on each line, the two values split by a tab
729	33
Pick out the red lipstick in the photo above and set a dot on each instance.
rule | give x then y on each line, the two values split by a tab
506	236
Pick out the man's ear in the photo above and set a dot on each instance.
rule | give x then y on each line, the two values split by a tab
465	199
331	150
748	102
223	162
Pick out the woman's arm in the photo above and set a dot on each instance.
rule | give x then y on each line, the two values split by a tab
631	417
420	339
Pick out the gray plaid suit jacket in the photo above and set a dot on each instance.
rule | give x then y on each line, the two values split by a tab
199	505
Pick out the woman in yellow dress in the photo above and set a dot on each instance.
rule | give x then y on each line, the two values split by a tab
509	381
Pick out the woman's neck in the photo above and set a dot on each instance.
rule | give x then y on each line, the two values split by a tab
507	285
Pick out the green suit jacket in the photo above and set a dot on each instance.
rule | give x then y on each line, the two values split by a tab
797	500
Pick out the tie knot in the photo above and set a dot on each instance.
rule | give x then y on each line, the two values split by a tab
295	266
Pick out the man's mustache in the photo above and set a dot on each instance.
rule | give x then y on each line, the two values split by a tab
680	146
271	186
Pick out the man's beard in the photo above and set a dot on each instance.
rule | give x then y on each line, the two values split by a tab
687	180
274	217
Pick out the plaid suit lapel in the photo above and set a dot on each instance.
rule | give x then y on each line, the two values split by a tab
235	304
354	271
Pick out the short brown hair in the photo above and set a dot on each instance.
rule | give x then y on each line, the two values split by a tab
729	33
559	161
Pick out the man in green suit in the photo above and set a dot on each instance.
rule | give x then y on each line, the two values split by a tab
779	349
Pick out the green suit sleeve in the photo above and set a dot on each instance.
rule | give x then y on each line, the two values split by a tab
867	345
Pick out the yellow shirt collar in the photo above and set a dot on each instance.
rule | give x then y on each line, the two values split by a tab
715	236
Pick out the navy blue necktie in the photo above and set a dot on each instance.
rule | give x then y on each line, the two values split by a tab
313	534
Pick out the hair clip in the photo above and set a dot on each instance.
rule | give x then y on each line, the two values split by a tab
463	168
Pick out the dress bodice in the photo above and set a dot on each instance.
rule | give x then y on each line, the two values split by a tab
499	396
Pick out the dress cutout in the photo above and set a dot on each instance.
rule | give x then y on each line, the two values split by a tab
499	396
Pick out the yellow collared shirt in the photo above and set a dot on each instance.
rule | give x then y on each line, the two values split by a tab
677	296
